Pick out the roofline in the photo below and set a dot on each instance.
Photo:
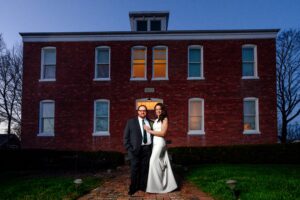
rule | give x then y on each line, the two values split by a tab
150	32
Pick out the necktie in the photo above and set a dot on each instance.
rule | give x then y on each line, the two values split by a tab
144	133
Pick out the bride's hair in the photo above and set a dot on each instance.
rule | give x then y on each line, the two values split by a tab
164	113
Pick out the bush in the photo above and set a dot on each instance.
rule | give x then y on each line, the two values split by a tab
267	153
38	159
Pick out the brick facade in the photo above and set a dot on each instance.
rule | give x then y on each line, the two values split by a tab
74	92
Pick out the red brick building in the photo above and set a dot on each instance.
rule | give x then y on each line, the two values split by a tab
80	88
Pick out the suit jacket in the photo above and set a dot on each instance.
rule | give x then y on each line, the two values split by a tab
133	136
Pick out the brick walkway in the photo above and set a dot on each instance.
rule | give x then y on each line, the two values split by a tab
115	187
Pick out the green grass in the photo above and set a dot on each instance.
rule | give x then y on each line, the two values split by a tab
37	187
261	182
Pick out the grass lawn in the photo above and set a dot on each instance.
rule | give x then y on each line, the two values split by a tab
40	186
261	182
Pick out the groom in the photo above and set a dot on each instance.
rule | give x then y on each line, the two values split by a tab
138	143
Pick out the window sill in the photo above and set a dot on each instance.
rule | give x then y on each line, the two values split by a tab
45	134
138	79
250	77
101	134
196	133
251	132
47	80
195	78
159	79
101	79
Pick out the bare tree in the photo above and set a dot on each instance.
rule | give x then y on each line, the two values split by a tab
288	79
11	70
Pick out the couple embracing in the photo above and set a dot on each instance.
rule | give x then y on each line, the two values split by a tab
149	161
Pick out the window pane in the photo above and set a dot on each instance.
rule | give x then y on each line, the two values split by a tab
103	56
248	69
102	71
101	124
50	56
195	123
47	109
139	54
155	25
195	108
194	70
48	125
49	71
138	71
159	70
194	55
101	109
249	123
141	25
248	54
160	54
249	107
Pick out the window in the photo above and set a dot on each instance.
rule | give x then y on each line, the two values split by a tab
102	67
195	62
249	59
160	63
155	25
101	117
46	119
141	25
196	116
251	124
148	102
138	63
48	64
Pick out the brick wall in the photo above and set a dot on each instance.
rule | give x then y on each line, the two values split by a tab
74	92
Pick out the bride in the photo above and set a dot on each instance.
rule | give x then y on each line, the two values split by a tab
160	175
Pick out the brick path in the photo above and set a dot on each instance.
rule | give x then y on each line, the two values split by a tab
115	187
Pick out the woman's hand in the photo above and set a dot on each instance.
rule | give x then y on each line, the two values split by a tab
147	128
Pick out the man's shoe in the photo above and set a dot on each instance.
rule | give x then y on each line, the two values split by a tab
131	192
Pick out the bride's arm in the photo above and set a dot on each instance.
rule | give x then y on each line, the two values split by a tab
162	133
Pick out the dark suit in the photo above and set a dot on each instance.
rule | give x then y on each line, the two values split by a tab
139	154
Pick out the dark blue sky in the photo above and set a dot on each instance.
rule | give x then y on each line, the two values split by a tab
112	15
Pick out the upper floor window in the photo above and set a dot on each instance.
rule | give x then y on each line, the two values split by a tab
138	63
160	63
48	67
46	118
155	25
251	115
195	62
249	59
102	67
101	117
141	25
196	116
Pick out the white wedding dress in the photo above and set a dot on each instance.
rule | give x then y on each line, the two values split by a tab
160	176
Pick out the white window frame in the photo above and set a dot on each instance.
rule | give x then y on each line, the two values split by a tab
42	79
149	19
255	76
96	63
101	133
167	63
256	131
201	62
145	72
40	133
196	132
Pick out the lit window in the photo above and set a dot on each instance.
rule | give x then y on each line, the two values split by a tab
46	119
102	68
149	103
138	64
195	62
251	115
160	63
101	117
249	60
196	116
48	63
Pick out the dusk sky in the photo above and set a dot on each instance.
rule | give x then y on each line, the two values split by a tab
112	15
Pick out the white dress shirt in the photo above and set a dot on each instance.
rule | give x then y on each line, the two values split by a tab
142	130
